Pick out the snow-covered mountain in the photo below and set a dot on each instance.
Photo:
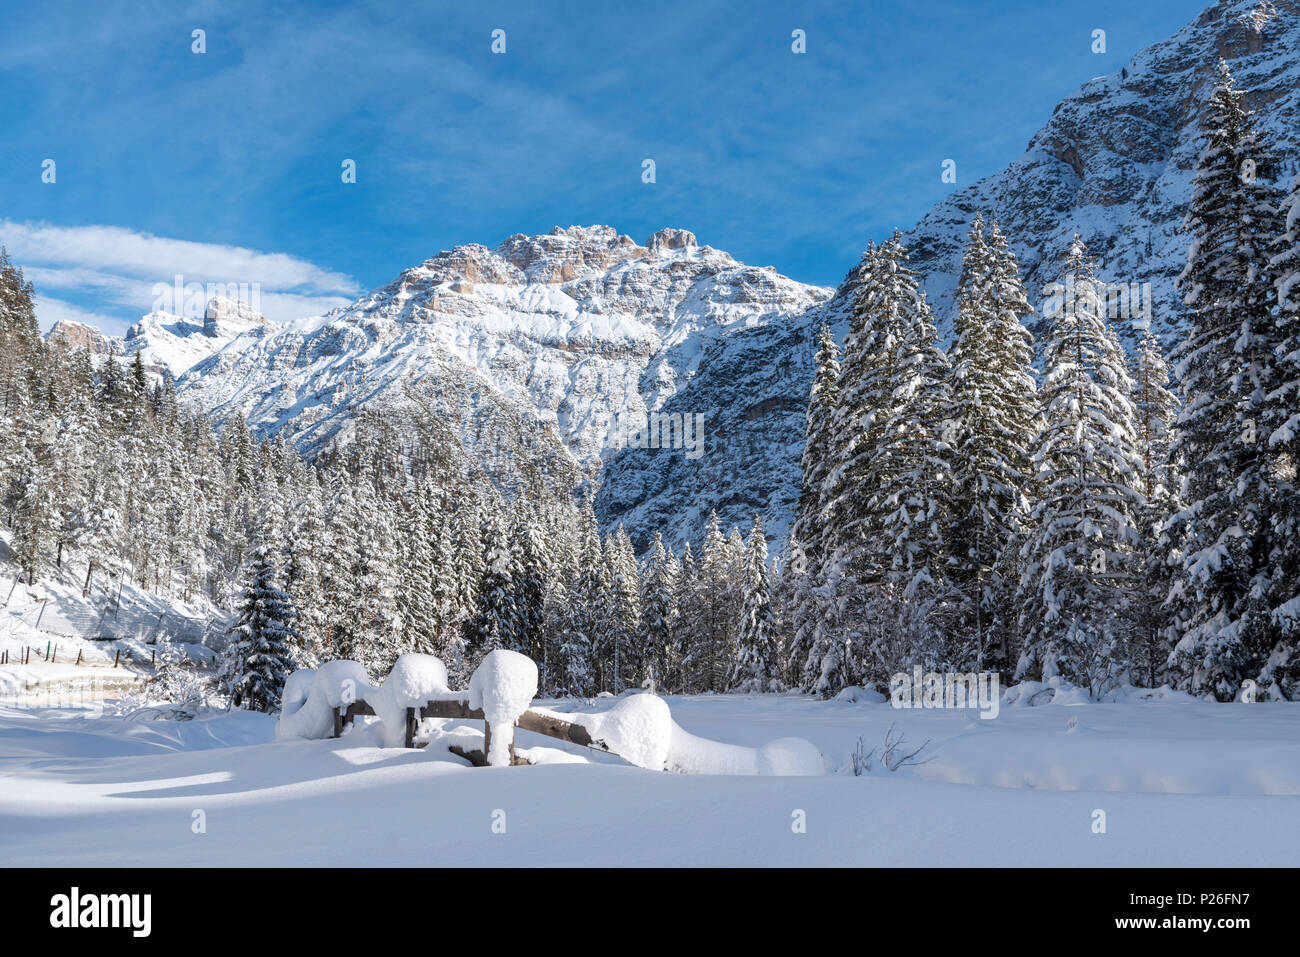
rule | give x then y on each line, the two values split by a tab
569	339
168	342
1115	161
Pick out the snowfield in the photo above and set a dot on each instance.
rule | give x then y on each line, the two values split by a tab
1180	782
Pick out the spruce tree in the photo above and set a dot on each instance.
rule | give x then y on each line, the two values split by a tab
1075	595
258	657
660	579
757	665
493	624
1226	368
627	652
1154	407
912	471
819	451
990	423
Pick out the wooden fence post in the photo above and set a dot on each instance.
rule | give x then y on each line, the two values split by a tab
116	655
410	727
487	739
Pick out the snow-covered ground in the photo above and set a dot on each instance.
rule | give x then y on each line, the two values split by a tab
1180	782
112	629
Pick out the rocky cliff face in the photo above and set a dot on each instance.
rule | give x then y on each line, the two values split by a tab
1115	162
79	335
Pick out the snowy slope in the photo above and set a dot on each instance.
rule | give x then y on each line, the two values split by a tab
176	343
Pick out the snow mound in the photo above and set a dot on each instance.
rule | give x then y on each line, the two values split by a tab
638	729
296	689
790	757
335	684
784	757
857	695
503	686
1056	691
415	679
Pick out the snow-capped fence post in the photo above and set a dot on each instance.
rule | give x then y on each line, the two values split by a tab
504	730
502	687
349	714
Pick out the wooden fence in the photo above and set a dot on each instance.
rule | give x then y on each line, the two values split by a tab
545	723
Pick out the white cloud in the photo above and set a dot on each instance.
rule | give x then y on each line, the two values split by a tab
104	266
49	311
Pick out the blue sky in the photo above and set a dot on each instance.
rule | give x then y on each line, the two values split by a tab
225	166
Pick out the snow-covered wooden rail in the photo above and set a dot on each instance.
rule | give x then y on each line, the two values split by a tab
638	728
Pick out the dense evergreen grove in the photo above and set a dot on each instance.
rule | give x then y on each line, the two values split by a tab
1077	520
962	510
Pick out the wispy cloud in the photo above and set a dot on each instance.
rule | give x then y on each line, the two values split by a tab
108	275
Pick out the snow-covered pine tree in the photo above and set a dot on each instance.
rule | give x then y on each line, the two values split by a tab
581	669
690	614
415	579
1080	560
446	576
258	659
757	665
532	577
303	576
911	472
706	660
991	421
376	611
810	526
1282	420
494	623
1226	368
660	575
1154	409
626	647
866	404
341	578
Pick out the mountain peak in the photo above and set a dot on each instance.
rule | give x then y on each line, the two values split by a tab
671	239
